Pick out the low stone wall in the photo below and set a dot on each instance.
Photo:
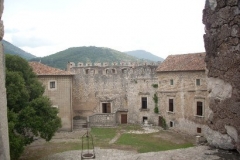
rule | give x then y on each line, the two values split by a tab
103	120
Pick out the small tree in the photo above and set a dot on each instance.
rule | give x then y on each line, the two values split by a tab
29	112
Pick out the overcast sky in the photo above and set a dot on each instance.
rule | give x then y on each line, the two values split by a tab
162	27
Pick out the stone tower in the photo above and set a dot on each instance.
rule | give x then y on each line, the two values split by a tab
4	142
222	37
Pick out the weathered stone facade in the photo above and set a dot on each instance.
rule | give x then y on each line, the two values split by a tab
178	87
120	86
222	27
4	140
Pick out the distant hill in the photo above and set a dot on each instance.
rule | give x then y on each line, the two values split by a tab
141	54
9	48
84	54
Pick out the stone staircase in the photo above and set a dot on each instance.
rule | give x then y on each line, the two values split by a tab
79	124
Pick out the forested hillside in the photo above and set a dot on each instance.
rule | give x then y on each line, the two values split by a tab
84	54
9	48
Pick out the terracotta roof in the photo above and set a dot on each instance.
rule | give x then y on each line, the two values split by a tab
183	62
42	69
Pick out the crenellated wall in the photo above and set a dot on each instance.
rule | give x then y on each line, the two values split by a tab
222	37
121	84
4	142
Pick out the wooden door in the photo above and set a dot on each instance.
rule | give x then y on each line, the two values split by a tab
160	121
123	118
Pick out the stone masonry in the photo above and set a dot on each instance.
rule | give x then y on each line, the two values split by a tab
4	141
119	85
222	37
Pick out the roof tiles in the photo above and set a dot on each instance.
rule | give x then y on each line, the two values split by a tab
41	69
183	62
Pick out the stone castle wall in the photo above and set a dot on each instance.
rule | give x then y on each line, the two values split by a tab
4	141
222	37
118	84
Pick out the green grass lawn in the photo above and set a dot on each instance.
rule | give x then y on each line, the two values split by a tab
102	136
149	143
140	142
159	141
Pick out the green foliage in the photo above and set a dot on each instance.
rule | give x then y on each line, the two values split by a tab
155	99
164	124
155	85
29	112
84	54
156	110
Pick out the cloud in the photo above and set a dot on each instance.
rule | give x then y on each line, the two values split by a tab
30	41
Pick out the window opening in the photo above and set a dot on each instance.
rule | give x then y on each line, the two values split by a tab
199	130
124	70
113	71
171	82
171	124
144	102
52	84
198	82
145	118
171	105
199	108
106	107
87	71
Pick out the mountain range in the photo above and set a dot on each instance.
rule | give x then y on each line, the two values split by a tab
141	54
82	54
9	48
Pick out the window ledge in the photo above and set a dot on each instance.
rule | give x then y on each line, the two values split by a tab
142	109
199	116
170	112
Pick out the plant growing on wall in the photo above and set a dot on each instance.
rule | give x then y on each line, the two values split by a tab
155	99
164	124
155	85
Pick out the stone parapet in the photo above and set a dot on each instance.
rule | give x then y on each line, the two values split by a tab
103	120
222	36
4	140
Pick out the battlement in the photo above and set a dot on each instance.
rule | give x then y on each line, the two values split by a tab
105	64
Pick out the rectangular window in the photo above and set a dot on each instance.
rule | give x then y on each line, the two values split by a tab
171	81
199	108
198	82
87	71
171	124
171	105
144	102
199	130
113	71
52	84
106	107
